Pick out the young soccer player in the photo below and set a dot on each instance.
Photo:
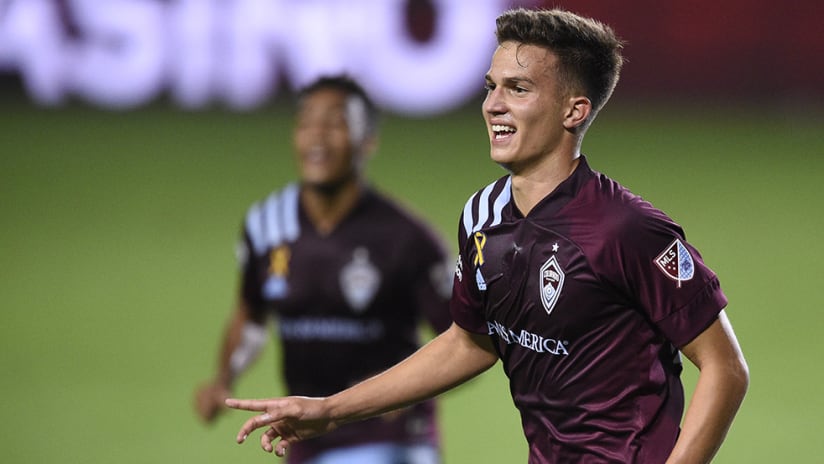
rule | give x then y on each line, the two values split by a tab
584	291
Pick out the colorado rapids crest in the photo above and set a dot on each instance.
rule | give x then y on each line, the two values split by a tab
359	280
552	281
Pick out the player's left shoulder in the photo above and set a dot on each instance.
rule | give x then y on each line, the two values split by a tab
623	213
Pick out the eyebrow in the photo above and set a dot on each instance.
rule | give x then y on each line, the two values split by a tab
511	81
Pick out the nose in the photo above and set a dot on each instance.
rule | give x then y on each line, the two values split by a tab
314	131
493	103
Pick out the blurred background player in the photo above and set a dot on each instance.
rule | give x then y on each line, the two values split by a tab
349	276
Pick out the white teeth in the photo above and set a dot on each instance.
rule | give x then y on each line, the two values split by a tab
315	153
502	128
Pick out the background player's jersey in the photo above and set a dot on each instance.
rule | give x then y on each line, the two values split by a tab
347	304
585	299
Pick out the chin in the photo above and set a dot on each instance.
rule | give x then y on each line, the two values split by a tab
323	187
507	165
328	186
500	156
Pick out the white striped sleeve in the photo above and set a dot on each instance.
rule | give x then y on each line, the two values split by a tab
289	210
254	228
501	201
485	208
273	221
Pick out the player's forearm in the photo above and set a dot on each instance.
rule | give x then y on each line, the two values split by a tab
449	360
242	343
717	397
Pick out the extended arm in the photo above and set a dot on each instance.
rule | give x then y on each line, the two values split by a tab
242	342
449	360
722	383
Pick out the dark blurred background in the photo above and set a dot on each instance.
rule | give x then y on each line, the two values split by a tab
127	53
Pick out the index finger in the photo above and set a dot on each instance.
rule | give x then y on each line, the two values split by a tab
247	405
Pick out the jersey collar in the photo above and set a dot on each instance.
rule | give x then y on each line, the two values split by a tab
558	198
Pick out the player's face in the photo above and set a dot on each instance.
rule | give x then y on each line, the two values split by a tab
522	109
329	149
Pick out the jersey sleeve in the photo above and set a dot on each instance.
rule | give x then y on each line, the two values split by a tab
466	303
665	276
250	284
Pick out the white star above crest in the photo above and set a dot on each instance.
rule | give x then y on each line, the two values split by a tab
555	247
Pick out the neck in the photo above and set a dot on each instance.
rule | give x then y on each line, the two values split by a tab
532	186
326	207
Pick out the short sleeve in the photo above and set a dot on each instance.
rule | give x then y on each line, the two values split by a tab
664	275
250	282
466	303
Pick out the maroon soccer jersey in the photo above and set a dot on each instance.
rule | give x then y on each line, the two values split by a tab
348	304
586	299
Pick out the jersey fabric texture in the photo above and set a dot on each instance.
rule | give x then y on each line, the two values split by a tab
586	300
348	304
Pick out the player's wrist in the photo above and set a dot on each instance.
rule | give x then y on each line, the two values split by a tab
223	382
344	407
333	408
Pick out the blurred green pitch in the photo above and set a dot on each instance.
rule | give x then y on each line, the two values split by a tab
118	269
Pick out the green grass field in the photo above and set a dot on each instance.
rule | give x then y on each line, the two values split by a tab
117	252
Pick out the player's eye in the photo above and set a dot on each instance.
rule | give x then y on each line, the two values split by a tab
489	87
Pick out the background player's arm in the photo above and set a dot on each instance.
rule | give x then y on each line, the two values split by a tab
432	267
450	359
433	294
243	340
722	383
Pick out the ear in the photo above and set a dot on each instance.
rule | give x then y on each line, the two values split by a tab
367	151
578	111
370	146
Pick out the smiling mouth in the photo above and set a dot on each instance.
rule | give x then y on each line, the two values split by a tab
315	155
501	131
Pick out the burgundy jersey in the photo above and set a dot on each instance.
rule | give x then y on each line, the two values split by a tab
349	304
586	300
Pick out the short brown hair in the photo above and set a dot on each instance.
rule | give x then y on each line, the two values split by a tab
588	51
